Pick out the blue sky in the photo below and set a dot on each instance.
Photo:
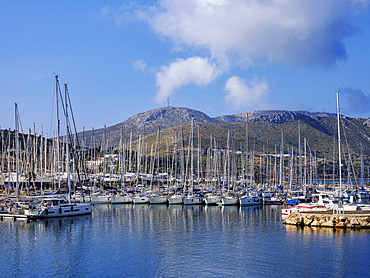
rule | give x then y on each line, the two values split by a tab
217	56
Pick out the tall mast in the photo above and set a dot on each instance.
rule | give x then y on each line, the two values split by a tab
41	159
198	157
192	157
324	167
58	127
67	143
17	149
299	154
339	149
362	167
281	159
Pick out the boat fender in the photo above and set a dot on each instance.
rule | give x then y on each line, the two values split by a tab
46	211
60	210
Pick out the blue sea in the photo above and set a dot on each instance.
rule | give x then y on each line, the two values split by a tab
180	241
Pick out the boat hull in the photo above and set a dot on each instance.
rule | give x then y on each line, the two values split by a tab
65	211
101	199
230	201
121	200
158	200
176	200
140	200
193	201
250	201
212	200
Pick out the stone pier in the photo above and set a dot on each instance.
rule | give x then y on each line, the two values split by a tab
332	221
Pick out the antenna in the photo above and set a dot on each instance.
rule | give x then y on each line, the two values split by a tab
168	102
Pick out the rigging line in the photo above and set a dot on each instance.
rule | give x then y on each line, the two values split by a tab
349	153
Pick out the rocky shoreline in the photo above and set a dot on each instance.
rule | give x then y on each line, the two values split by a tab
331	221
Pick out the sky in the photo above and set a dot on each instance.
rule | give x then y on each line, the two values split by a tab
120	58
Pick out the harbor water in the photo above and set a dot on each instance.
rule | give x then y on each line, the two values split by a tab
180	241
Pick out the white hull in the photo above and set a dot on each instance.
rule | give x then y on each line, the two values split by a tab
250	201
62	211
176	200
101	199
158	200
212	200
193	201
80	199
141	200
121	200
230	201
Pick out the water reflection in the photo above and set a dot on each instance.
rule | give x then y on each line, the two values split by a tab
172	241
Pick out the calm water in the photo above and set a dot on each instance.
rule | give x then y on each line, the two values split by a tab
176	241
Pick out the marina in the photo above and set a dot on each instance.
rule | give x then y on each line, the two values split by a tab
197	138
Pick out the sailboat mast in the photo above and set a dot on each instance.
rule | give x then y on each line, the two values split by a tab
41	159
362	167
17	150
339	148
67	143
58	127
299	153
192	157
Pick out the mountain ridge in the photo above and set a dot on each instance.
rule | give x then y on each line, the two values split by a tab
169	117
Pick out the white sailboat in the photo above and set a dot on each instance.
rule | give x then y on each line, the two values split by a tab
56	206
212	200
122	199
156	199
176	199
192	199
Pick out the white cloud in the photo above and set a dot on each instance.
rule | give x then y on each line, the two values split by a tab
304	32
182	72
242	94
140	65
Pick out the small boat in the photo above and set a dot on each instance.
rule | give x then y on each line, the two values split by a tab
141	199
193	200
154	200
230	201
304	208
121	199
212	200
270	198
250	201
176	199
101	199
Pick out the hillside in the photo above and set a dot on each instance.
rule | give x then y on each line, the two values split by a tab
265	127
164	117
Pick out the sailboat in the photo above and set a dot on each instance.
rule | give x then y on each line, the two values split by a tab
60	205
192	199
228	199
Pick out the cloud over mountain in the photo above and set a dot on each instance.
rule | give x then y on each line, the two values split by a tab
291	32
243	33
182	72
242	94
